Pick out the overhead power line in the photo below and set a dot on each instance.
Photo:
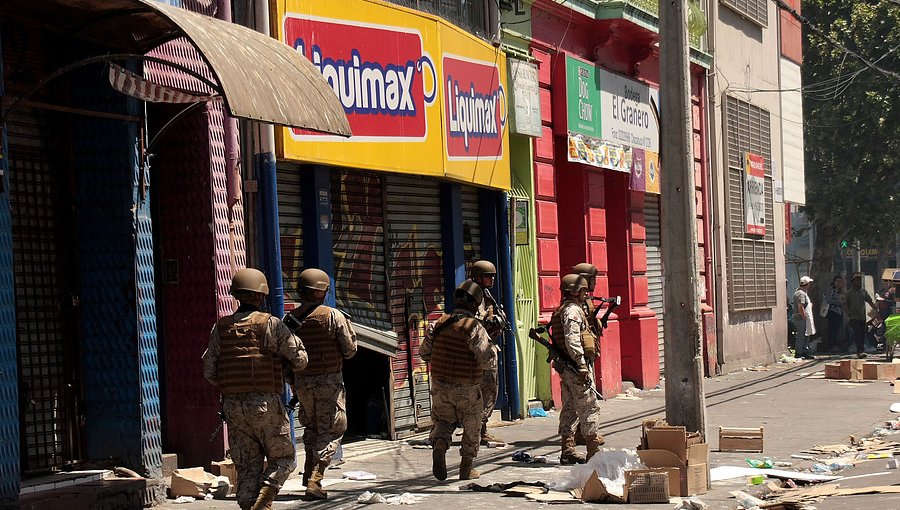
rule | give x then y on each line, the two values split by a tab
790	10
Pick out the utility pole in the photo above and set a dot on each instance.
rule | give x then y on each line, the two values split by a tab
685	400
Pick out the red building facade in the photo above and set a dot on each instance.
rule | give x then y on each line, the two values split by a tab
588	211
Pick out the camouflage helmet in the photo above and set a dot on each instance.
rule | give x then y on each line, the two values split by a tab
251	280
483	268
573	283
585	269
314	279
469	289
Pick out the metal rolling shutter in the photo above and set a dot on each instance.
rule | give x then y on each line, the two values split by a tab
471	224
44	305
417	289
357	212
290	224
654	267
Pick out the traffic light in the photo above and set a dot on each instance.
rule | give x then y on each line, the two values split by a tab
845	243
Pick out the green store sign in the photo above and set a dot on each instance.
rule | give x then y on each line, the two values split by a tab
582	97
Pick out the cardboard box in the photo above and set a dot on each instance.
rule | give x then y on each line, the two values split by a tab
693	475
852	369
879	371
672	439
647	486
833	371
733	439
225	468
672	483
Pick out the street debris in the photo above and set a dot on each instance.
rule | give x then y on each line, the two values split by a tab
512	488
368	498
741	439
746	500
693	503
720	473
523	456
537	413
788	359
766	463
184	499
197	483
610	465
359	475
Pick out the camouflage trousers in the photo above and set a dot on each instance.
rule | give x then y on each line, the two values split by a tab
489	391
322	412
258	435
579	405
452	404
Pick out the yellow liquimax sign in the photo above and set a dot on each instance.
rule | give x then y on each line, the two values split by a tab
422	96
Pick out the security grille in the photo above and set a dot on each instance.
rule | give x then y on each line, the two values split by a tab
751	259
471	225
754	10
466	14
44	308
290	224
655	269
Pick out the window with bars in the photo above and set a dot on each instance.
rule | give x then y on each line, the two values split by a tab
751	258
754	10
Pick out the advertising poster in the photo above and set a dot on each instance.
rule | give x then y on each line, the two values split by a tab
755	194
651	169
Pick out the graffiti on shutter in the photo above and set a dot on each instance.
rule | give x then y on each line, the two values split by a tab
417	290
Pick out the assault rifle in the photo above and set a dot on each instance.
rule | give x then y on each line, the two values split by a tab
557	356
613	303
498	323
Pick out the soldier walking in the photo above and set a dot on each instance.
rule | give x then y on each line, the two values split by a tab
329	339
589	272
459	351
570	331
246	353
493	318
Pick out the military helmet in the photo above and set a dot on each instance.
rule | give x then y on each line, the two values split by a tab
585	269
470	289
314	279
483	268
251	280
573	283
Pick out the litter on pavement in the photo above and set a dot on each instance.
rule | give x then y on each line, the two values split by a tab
720	473
368	498
359	475
693	503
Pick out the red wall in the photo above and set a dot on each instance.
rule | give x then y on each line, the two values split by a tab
791	33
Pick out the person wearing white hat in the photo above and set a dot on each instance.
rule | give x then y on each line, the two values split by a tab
803	319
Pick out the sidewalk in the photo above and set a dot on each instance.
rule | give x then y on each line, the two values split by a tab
795	404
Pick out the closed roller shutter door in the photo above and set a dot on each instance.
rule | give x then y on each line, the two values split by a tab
358	229
290	223
655	267
417	289
44	305
471	212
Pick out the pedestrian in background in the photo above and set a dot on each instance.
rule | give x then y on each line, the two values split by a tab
571	334
803	319
245	358
886	298
322	401
459	351
834	299
855	299
483	273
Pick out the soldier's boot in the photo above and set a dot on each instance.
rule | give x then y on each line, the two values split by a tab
593	444
487	438
569	454
308	466
266	497
314	489
439	459
466	471
579	438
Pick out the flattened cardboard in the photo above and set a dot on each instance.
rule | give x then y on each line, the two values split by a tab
595	492
553	497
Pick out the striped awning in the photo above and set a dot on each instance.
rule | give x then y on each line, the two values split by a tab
258	77
134	85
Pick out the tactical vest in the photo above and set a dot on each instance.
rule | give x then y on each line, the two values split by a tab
321	346
243	366
558	335
451	359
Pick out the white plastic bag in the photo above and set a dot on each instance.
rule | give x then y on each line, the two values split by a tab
610	466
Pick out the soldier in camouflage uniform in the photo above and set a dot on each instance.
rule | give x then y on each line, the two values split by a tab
329	339
459	349
494	320
246	354
571	334
589	271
